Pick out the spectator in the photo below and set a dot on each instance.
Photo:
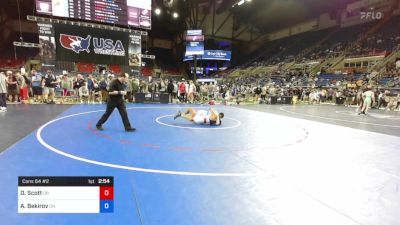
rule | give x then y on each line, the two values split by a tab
24	88
67	86
12	87
381	99
170	90
163	86
191	92
203	92
90	85
134	83
3	92
103	89
175	91
78	84
257	92
263	93
128	89
392	103
143	87
50	82
20	86
36	86
96	92
398	102
182	91
84	93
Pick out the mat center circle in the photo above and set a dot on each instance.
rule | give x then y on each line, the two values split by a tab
167	120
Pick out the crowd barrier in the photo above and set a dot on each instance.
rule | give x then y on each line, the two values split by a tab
152	98
287	100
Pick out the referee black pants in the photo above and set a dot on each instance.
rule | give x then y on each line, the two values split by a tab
111	105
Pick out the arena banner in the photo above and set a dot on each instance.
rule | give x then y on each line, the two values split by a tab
47	51
86	44
194	43
135	50
212	55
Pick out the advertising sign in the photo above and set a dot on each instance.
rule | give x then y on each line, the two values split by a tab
46	40
212	55
84	44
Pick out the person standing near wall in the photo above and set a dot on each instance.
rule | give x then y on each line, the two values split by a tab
21	87
67	86
170	90
3	92
12	88
182	91
50	82
24	89
36	86
103	84
368	100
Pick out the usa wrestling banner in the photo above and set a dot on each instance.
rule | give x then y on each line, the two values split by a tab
84	44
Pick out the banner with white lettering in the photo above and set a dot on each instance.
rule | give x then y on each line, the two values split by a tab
212	55
47	51
86	44
135	50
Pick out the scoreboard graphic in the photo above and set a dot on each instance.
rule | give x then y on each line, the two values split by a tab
136	13
65	194
194	43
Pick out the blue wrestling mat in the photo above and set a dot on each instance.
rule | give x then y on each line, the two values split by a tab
256	168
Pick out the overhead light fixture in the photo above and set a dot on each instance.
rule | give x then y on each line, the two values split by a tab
241	2
175	15
157	11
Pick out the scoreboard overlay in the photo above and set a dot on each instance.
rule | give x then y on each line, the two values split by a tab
65	194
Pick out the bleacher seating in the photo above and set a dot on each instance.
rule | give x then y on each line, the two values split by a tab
11	63
171	72
384	81
146	71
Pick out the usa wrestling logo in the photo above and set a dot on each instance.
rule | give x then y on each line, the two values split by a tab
75	43
101	46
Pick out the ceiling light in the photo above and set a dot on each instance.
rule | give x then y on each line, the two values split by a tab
157	11
175	15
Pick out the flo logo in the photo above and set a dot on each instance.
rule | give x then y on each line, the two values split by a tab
371	15
75	43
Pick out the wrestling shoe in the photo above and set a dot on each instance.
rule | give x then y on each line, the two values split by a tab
130	129
99	128
177	115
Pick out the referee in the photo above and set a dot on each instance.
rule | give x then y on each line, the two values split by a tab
116	92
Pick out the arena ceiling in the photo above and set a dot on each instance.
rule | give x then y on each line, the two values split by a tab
265	15
270	15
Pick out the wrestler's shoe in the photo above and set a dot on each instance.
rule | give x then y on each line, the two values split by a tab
177	115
